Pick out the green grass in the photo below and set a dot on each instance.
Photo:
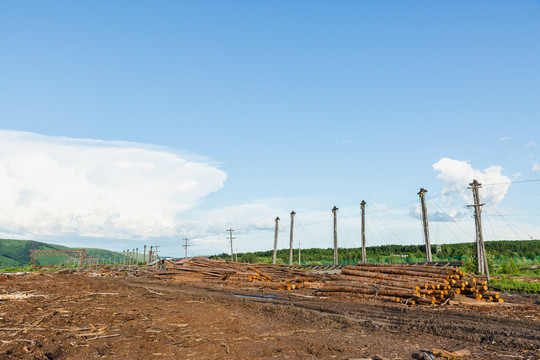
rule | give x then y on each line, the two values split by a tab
512	285
18	269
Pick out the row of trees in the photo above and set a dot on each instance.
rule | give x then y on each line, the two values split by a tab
529	248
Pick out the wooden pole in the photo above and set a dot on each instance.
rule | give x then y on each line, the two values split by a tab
483	267
363	207
137	256
144	256
231	239
291	242
425	223
274	258
334	211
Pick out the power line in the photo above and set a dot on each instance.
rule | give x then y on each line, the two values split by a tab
490	225
445	222
345	229
384	225
510	225
513	182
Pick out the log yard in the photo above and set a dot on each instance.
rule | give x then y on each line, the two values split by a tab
212	309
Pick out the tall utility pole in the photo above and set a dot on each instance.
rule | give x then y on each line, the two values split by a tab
186	245
425	222
123	257
137	257
133	257
150	254
156	247
275	241
291	243
482	263
363	207
144	256
231	239
334	211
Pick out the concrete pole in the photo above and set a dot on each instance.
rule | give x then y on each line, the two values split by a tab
274	258
425	223
291	242
137	256
363	207
334	211
144	256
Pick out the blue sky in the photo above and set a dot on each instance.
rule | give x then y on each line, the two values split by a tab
243	111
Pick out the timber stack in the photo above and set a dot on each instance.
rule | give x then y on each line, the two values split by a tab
416	284
282	277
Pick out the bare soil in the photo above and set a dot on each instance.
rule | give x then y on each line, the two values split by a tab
83	316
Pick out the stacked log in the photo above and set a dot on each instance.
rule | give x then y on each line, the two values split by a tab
418	284
281	277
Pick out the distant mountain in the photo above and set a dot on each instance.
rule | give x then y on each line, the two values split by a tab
17	253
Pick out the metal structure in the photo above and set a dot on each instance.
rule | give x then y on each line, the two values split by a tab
81	254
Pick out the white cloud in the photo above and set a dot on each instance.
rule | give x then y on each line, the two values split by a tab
536	167
504	138
531	144
456	175
58	186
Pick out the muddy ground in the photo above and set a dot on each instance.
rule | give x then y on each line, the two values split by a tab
83	316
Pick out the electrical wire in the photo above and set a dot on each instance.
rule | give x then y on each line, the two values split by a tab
384	225
490	225
445	222
510	225
513	182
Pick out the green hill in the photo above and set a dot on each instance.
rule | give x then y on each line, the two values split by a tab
17	253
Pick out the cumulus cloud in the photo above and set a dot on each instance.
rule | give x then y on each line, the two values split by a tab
536	167
456	175
58	186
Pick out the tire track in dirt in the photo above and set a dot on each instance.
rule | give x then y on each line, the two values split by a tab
462	325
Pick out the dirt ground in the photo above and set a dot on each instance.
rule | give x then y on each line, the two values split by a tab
84	316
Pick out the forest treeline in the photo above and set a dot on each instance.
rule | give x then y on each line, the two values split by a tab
529	248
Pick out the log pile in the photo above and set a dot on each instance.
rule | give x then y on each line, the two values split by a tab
419	284
281	277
